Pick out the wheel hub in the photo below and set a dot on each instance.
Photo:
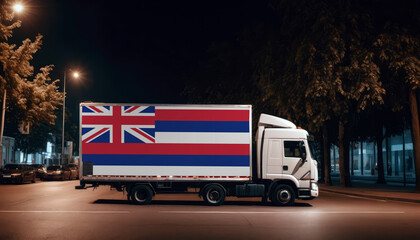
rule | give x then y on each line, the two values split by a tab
284	196
214	196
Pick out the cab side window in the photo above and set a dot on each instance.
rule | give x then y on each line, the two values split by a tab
292	149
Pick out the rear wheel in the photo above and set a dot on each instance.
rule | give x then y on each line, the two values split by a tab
283	195
214	195
141	195
34	178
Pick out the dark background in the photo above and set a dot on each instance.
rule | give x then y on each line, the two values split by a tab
130	52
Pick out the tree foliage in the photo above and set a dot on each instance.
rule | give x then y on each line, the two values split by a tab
31	98
27	97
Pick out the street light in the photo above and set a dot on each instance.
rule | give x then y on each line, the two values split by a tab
75	75
18	7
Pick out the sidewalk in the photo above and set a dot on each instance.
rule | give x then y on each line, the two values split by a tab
369	189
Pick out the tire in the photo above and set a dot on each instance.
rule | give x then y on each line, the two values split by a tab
63	177
214	195
283	195
34	179
141	194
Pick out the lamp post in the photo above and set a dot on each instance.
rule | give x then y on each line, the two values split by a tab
75	75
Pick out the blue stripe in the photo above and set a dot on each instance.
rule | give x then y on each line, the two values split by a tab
201	126
168	160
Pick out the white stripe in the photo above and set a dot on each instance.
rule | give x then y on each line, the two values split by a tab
202	137
170	171
295	212
203	108
88	212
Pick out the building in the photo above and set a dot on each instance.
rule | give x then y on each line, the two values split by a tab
398	157
8	150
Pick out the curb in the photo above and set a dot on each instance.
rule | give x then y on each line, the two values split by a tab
374	197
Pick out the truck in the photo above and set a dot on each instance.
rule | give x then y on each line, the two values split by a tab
145	149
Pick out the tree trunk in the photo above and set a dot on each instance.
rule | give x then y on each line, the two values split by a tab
327	156
415	131
343	156
379	139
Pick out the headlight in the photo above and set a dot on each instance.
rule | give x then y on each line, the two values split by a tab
314	186
15	174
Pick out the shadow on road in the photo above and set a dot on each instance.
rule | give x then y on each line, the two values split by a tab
196	203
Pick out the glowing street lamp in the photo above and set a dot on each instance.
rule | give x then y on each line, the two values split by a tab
18	7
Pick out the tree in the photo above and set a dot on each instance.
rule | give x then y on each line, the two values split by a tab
32	101
399	48
329	71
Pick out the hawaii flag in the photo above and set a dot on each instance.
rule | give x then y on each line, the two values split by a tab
170	140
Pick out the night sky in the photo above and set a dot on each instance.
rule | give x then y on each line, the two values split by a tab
130	51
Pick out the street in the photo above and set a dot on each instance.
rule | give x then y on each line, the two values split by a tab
55	210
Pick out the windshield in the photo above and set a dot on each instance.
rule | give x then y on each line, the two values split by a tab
53	168
13	167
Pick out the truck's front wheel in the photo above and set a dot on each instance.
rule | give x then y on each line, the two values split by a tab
283	195
214	195
141	195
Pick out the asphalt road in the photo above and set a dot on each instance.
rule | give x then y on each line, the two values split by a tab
55	210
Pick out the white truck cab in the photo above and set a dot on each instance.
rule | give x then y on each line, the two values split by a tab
284	154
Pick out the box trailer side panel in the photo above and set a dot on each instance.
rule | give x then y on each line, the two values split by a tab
160	142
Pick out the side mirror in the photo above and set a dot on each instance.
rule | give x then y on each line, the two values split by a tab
302	150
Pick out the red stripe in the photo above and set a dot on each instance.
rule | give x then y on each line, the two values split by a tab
201	115
126	120
132	109
143	134
96	109
94	135
165	149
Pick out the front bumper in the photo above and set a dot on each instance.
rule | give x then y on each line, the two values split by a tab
10	178
314	189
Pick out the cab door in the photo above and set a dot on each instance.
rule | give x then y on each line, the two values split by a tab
292	156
